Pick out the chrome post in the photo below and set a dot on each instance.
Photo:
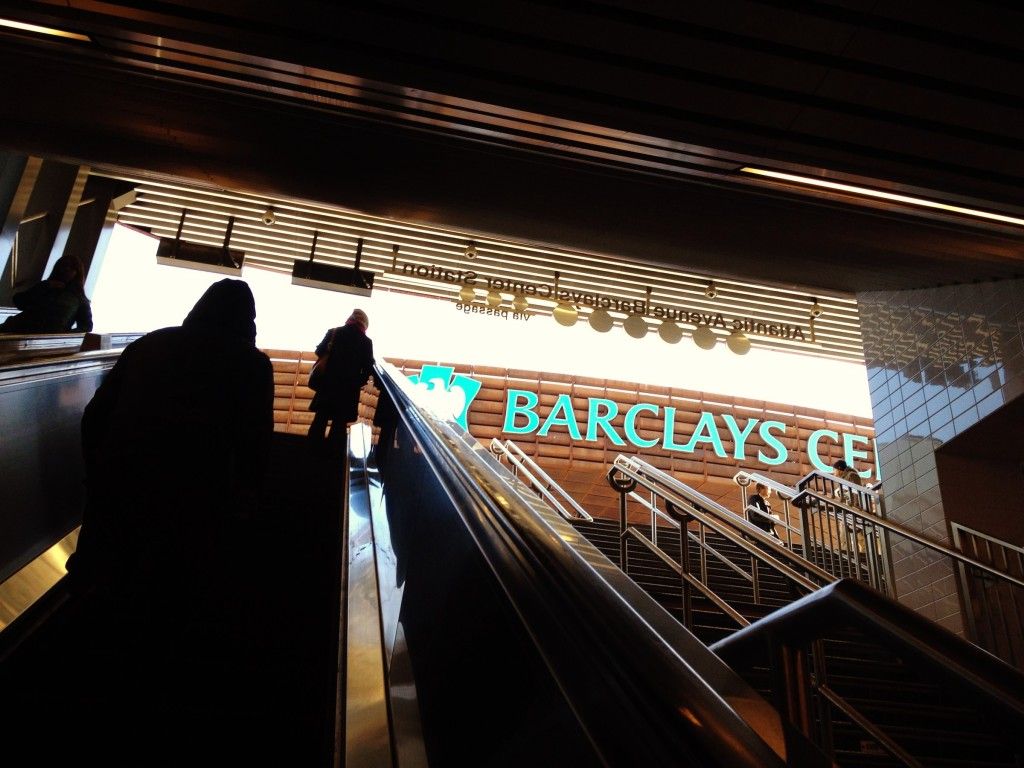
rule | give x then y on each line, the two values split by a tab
789	524
684	565
623	563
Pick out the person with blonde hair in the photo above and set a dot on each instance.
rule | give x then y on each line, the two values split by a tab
344	363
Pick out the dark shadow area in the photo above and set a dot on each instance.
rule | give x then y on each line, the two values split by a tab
240	673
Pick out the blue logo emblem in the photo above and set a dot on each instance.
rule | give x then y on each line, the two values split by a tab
453	393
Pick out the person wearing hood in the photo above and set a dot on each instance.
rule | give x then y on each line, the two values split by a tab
346	354
175	442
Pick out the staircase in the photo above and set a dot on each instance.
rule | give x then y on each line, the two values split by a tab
912	711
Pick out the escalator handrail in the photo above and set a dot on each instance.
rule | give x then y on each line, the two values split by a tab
667	706
50	365
894	626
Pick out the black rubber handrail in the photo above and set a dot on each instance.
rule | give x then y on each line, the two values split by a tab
640	700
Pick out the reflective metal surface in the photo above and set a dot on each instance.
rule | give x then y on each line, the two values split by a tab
578	607
367	730
30	583
41	404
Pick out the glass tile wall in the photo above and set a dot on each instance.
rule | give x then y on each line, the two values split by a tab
939	360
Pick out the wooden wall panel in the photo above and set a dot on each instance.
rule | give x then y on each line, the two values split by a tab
581	467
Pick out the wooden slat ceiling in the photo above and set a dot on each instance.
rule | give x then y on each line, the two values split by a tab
606	127
159	204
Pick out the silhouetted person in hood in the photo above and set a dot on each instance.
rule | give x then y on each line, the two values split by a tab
175	441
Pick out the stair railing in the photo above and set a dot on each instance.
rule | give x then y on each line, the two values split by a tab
526	469
791	642
993	607
694	515
833	532
850	542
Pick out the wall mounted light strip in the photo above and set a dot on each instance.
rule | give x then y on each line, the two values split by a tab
877	193
21	26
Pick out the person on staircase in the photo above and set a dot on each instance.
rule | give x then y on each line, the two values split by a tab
761	514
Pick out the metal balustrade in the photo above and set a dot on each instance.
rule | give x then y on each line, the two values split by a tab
694	516
842	529
526	469
993	607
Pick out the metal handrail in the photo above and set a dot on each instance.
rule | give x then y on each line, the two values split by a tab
881	522
938	654
528	467
917	538
720	519
675	714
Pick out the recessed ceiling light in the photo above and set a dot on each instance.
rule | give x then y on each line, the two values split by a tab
25	27
881	195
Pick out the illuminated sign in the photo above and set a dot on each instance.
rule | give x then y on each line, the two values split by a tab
450	395
521	418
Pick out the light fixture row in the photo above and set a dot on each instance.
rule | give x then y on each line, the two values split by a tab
601	320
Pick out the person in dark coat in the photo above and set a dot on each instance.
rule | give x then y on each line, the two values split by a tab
349	364
759	500
55	305
175	442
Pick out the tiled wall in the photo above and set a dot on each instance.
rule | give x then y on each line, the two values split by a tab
939	360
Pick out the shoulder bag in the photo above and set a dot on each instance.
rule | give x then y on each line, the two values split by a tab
319	369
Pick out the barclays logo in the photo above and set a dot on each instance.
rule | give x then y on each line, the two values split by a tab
450	393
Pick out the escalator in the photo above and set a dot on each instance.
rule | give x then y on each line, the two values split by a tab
503	637
453	618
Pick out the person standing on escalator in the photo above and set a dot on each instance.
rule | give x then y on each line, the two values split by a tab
175	442
344	364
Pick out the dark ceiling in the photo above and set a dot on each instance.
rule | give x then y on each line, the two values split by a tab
607	127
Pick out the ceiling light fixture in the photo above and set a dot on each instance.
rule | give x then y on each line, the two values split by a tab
22	26
881	195
635	325
467	294
175	252
670	332
712	290
471	250
600	320
738	343
330	277
704	337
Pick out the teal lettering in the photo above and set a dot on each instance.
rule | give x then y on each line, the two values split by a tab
850	454
706	432
630	425
812	448
781	454
595	419
669	444
513	409
561	413
739	437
